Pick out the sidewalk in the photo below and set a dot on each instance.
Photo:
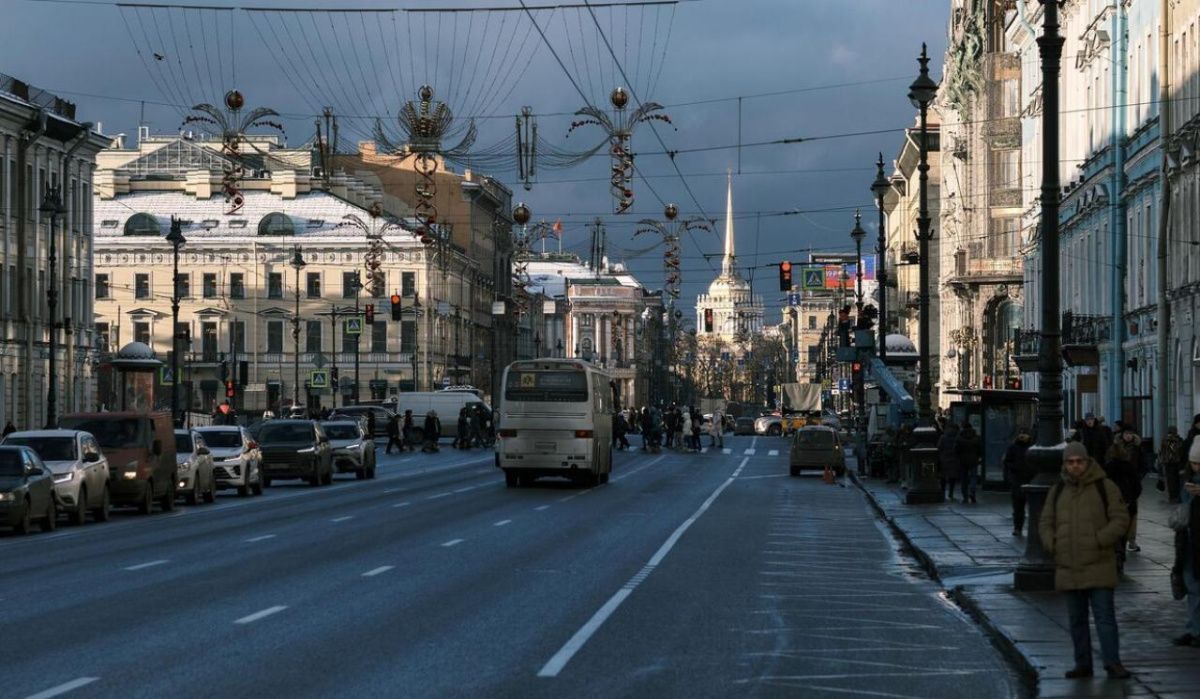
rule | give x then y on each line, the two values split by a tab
970	549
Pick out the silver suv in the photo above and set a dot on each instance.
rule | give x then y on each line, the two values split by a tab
78	467
353	451
237	460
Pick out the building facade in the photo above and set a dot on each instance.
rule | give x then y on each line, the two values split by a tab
729	314
43	146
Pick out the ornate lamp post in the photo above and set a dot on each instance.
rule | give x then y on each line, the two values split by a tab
619	131
880	189
1036	570
297	264
52	206
858	234
671	230
176	239
924	487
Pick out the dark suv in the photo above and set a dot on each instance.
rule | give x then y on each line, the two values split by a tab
295	449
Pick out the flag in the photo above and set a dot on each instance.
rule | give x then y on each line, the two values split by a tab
557	229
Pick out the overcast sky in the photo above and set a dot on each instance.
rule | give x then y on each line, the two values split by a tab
860	52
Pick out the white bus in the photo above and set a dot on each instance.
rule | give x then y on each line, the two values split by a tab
554	419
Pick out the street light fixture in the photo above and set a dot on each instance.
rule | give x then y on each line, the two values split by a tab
176	239
858	234
880	189
52	206
297	264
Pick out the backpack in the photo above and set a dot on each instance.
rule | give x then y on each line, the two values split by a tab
1099	489
1172	451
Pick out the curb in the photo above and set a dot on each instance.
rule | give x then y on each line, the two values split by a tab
1008	648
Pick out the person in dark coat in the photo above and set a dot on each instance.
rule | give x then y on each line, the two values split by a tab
903	442
371	425
406	429
1018	472
9	428
969	450
1121	465
475	426
433	430
1172	457
1187	550
647	423
948	460
461	440
1095	436
393	433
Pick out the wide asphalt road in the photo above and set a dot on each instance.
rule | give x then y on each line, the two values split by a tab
691	575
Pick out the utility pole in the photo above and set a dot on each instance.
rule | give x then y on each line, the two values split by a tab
1164	220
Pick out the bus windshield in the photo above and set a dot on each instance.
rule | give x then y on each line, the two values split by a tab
547	386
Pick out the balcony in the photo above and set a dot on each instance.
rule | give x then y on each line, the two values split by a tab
1026	344
980	270
1081	337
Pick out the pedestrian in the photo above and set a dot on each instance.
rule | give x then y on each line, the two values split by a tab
1095	436
948	460
433	430
715	435
393	433
900	448
685	429
646	424
619	434
461	429
1083	519
371	425
406	430
1170	464
475	426
225	414
1018	473
9	428
1122	465
697	421
1187	549
969	450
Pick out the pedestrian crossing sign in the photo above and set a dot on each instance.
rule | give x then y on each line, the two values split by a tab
354	325
165	376
812	278
318	378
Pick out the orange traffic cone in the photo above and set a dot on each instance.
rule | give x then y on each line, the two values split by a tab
828	475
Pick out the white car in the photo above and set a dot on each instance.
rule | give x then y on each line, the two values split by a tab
771	425
237	460
353	451
193	468
79	468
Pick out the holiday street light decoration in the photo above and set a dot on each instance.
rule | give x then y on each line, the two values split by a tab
521	242
619	129
373	227
233	129
671	230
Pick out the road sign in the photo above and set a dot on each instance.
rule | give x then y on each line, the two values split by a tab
318	378
812	278
354	325
795	355
835	392
845	384
793	299
165	376
445	381
319	360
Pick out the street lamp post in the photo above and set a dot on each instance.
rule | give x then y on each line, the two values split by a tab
297	264
362	327
1036	570
857	234
924	486
880	188
176	239
52	206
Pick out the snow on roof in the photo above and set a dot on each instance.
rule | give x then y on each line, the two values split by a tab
550	277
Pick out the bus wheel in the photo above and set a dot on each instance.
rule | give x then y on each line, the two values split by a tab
511	479
603	477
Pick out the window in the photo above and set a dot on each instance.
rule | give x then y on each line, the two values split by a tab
141	286
183	336
143	224
237	285
102	333
208	341
812	322
379	336
141	332
408	283
274	337
349	285
210	285
275	285
237	334
314	285
184	285
585	320
814	355
312	339
102	291
408	336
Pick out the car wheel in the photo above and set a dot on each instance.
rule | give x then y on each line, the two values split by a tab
193	496
603	478
23	524
146	506
168	499
315	479
51	522
104	511
79	515
511	479
371	472
266	482
360	474
257	487
328	477
794	471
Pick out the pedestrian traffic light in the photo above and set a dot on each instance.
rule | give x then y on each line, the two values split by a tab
785	276
229	390
333	376
844	324
395	306
708	320
369	312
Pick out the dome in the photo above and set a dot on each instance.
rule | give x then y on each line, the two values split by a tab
725	284
898	344
136	356
136	350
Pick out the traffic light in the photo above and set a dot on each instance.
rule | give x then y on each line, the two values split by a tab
333	377
1015	383
395	306
785	276
856	375
229	389
987	382
369	312
243	375
844	326
708	320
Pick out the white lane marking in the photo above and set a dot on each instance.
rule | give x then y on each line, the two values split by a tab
63	688
560	659
542	507
142	566
502	522
389	491
748	452
264	537
773	452
342	519
754	442
640	468
452	542
463	490
726	450
439	495
769	475
260	615
376	571
402	504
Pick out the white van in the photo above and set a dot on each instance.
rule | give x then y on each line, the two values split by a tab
446	403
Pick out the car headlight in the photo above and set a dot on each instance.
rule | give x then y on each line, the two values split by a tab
63	477
129	474
8	497
307	450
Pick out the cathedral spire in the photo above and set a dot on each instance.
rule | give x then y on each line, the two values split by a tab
727	264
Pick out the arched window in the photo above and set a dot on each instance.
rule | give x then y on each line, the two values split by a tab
144	224
277	223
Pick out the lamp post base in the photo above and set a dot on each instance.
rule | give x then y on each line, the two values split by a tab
924	481
1035	572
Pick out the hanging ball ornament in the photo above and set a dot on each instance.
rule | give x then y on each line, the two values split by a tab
619	98
671	212
426	93
521	214
234	100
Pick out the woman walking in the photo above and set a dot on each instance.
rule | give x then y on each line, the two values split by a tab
1187	549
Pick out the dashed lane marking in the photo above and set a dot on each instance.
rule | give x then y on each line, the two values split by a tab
748	452
726	450
452	542
264	537
502	522
63	688
402	504
376	571
143	566
539	508
342	519
251	618
773	452
439	495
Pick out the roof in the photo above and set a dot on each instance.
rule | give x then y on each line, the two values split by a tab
551	277
47	433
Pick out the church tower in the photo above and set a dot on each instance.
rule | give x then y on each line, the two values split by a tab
736	314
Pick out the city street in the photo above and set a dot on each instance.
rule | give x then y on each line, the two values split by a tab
687	575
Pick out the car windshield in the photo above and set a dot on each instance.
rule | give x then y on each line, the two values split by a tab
11	463
183	443
222	439
336	431
49	448
286	432
814	438
112	432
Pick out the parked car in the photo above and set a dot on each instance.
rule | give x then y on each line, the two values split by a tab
295	449
353	450
744	425
237	458
194	468
79	469
26	490
140	448
381	416
815	447
771	425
